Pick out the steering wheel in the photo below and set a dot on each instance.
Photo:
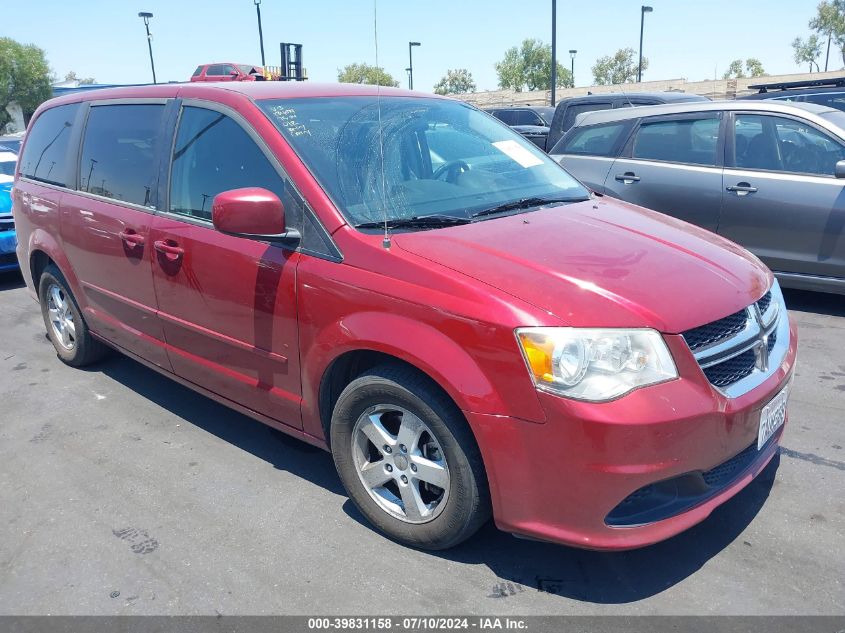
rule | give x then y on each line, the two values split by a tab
450	171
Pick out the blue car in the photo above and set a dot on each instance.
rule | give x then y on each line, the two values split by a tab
8	241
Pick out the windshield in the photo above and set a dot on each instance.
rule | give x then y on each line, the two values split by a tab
439	157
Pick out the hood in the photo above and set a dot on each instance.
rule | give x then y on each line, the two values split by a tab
602	263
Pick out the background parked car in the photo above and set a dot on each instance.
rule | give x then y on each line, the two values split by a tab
765	174
531	121
568	109
11	142
826	92
228	71
8	242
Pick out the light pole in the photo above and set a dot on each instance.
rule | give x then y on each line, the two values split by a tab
260	32
572	53
411	64
147	15
554	51
643	10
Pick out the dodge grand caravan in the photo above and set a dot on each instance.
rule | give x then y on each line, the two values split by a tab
406	282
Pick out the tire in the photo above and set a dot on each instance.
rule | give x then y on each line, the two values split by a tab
388	403
66	328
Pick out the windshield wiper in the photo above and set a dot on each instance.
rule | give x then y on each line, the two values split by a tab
429	221
523	203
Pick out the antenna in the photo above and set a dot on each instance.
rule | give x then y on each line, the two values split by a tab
386	241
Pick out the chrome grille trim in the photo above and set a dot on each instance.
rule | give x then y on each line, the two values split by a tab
768	334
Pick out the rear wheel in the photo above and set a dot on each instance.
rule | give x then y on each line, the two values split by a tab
408	459
65	327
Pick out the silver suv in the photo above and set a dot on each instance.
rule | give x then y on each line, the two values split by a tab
766	175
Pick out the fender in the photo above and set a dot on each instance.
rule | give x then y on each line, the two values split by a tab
419	344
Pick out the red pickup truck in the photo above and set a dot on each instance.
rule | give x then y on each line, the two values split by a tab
228	71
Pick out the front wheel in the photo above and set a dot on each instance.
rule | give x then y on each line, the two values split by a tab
408	459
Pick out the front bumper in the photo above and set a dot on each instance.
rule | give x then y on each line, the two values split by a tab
8	245
559	480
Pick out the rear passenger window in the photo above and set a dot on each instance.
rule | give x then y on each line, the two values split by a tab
197	72
45	153
508	117
118	152
214	154
215	69
527	117
596	140
691	141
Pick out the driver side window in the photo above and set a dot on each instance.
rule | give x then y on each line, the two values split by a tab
779	144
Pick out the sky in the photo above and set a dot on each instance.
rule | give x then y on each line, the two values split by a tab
688	39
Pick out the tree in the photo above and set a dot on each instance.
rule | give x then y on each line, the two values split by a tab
734	71
455	82
366	74
71	76
807	51
619	68
24	78
829	22
754	67
529	66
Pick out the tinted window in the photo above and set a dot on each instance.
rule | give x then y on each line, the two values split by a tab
197	72
596	140
781	144
118	152
691	141
215	69
508	117
214	154
45	156
574	110
527	117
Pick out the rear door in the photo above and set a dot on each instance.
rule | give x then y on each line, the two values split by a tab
105	223
782	201
673	164
228	304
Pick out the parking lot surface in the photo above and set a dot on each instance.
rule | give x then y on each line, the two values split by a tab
122	492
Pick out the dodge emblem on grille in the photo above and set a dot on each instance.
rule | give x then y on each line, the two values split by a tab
761	347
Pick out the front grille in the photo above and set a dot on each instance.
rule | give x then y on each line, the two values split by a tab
732	370
705	335
763	304
773	338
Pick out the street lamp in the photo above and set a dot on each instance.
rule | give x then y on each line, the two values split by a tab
572	53
643	10
260	32
411	64
554	51
146	16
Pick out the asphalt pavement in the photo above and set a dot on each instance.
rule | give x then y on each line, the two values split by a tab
122	492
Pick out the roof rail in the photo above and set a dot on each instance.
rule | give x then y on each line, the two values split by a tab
810	83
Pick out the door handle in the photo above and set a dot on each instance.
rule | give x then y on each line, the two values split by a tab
742	188
628	177
170	249
132	238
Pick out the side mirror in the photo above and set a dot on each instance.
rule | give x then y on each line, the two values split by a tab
839	169
251	212
234	73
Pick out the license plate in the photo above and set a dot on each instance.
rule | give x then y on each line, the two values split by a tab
772	417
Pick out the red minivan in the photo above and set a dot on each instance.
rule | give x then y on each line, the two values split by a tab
403	280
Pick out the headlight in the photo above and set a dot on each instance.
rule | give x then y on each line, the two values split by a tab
595	364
